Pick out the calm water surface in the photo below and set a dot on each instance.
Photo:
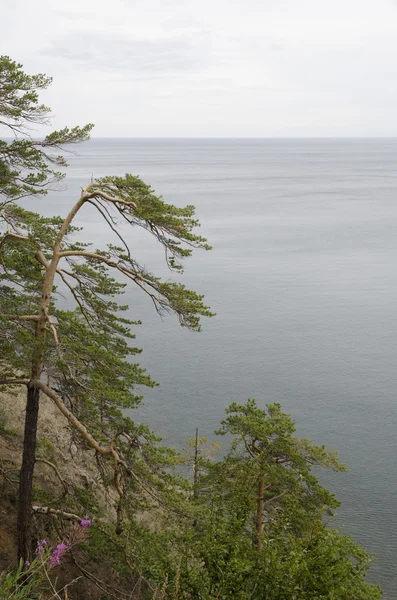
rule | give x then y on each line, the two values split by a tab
303	279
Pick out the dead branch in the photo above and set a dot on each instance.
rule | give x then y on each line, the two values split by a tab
5	472
46	510
275	498
14	381
57	473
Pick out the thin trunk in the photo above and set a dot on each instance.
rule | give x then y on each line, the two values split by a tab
195	466
26	476
195	473
101	413
33	395
260	506
31	419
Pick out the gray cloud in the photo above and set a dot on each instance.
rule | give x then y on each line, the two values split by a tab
214	67
144	58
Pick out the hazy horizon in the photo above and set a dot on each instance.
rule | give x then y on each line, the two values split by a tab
230	137
269	138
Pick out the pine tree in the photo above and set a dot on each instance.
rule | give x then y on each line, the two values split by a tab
260	530
78	358
82	353
27	164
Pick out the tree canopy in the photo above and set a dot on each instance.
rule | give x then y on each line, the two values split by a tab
27	165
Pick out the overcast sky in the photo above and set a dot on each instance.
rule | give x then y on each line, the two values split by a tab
212	68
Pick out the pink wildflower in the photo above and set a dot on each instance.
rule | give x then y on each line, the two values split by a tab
40	548
85	523
56	556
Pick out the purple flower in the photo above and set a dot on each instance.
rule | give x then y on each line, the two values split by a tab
56	556
27	563
40	548
85	523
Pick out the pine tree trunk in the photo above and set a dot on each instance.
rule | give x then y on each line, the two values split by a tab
26	476
260	505
32	405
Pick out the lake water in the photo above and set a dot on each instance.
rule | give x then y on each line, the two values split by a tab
303	278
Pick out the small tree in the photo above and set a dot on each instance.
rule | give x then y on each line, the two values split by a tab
277	464
260	529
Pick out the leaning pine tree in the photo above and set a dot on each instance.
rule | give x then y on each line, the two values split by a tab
81	358
78	358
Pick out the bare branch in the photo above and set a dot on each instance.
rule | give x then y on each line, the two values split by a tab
108	218
61	479
14	381
114	200
54	332
46	510
275	498
71	418
16	236
5	472
102	450
66	224
73	292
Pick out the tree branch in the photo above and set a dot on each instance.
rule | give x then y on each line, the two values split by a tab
101	585
50	464
73	292
108	198
108	218
21	317
14	381
46	510
275	498
132	274
71	418
102	450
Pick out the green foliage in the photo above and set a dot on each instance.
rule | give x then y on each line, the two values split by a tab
201	546
264	445
46	450
37	580
45	496
22	585
85	501
89	350
19	96
298	556
25	164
